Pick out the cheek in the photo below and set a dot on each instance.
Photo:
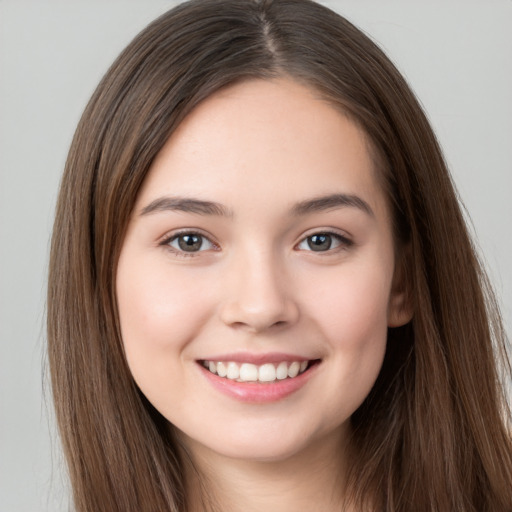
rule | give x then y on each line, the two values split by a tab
353	305
160	312
351	313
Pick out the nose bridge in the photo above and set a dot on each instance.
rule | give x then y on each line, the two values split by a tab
258	295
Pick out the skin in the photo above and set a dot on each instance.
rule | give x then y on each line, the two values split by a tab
258	148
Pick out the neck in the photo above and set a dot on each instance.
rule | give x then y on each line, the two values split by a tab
312	479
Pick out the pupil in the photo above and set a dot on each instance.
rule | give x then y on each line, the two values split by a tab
190	243
319	242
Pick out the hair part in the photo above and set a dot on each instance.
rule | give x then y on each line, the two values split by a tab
432	434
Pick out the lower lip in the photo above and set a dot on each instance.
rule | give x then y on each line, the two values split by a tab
258	392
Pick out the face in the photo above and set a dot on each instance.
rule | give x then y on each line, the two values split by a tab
255	283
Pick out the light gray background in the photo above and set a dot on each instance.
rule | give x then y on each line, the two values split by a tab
456	54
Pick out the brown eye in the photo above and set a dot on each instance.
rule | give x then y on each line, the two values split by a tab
324	242
189	242
320	242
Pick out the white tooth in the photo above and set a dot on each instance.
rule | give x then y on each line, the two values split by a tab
303	366
212	367
248	372
233	371
221	369
282	371
267	373
293	370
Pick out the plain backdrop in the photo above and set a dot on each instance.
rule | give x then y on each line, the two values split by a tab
457	55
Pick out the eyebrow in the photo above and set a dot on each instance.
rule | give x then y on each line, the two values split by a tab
201	207
332	201
186	204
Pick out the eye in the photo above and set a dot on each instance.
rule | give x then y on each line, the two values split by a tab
323	242
188	242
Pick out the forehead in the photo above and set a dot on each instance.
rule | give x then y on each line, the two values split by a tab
264	142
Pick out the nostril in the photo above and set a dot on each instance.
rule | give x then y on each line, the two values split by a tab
258	313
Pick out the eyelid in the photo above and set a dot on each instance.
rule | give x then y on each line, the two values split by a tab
345	241
166	240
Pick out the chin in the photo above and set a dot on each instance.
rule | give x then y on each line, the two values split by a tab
269	441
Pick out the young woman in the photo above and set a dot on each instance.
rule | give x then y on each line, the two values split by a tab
262	293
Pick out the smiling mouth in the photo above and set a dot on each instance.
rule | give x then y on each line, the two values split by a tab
264	373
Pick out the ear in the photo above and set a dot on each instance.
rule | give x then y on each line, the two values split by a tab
400	306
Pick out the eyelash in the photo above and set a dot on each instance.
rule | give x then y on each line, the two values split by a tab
343	241
184	254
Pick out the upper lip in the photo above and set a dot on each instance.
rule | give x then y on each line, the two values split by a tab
257	359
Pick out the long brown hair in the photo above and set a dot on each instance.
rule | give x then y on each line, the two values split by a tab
432	435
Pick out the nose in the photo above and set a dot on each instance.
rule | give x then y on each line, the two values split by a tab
258	295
